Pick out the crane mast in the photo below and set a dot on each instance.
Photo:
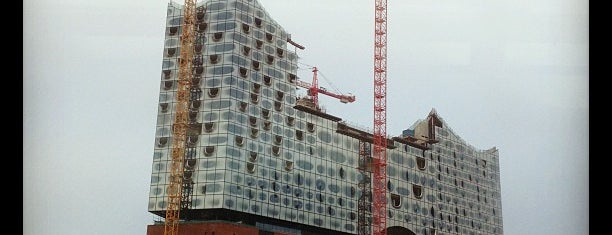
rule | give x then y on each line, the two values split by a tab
180	126
379	196
314	89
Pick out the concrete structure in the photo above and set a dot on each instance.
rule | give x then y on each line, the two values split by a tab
260	160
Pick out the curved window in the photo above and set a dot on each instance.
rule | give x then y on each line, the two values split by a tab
267	125
258	22
276	150
217	36
265	113
256	88
246	28
310	127
417	191
209	127
254	98
299	135
250	167
396	201
162	141
213	92
270	59
288	165
291	78
254	132
420	163
222	70
246	50
198	49
163	107
171	51
243	72
279	95
239	140
269	37
290	121
168	85
278	106
255	65
267	80
172	30
253	156
252	121
278	139
258	44
209	150
242	106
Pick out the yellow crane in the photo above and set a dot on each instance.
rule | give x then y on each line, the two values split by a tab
180	126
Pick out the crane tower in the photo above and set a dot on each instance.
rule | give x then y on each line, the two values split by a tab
379	196
180	126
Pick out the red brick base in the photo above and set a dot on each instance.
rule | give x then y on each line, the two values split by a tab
208	228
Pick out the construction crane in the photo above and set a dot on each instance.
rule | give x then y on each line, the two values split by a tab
180	125
379	197
314	90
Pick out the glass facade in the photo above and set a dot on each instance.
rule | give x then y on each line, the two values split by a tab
256	154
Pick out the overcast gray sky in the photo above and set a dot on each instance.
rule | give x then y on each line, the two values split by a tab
506	73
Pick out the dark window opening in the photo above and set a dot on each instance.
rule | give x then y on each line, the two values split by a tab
243	72
217	36
214	59
396	201
267	80
420	163
417	190
267	125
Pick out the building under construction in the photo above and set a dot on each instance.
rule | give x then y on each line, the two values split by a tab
256	158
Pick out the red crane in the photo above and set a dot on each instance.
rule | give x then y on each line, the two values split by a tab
379	196
314	90
180	126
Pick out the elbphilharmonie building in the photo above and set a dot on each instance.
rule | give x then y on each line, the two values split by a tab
260	159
